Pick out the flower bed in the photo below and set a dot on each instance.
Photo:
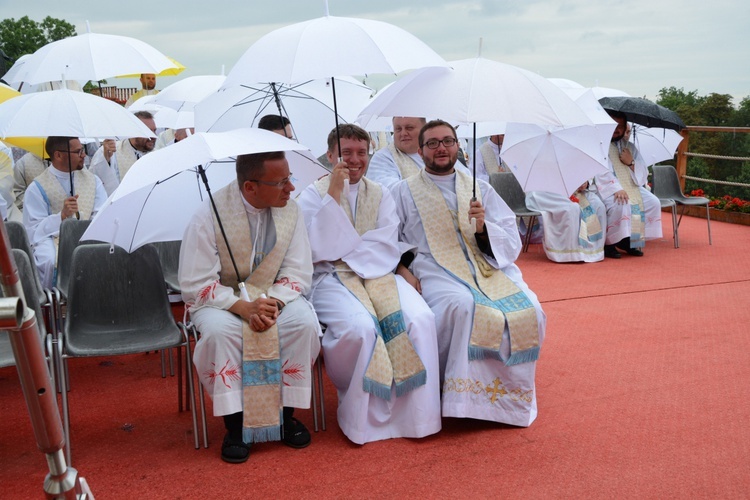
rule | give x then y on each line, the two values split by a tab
725	209
726	202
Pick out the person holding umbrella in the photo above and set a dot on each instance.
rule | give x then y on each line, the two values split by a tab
379	345
633	212
254	354
63	190
490	326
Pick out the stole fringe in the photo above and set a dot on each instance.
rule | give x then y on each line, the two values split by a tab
477	353
261	434
527	356
411	383
376	389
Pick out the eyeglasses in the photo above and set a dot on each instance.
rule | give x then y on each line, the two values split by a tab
448	142
79	152
279	185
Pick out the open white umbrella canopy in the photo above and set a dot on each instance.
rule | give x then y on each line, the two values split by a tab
331	46
552	159
163	189
655	144
67	113
186	93
90	56
308	105
476	90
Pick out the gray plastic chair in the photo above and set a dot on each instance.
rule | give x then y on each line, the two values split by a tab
25	272
507	186
20	239
169	256
71	231
667	186
665	203
117	305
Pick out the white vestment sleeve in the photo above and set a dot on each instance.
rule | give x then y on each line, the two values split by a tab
105	171
333	237
39	223
383	168
607	184
501	227
198	273
295	274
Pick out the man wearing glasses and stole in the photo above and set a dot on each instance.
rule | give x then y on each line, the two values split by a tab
255	353
63	190
490	326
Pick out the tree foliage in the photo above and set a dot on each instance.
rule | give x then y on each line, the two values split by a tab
715	110
25	36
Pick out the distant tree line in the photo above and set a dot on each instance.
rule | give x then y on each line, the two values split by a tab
25	36
715	110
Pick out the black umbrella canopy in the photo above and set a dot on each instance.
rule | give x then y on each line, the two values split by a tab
643	112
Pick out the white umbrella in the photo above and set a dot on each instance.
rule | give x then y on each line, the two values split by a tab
91	56
480	90
186	93
655	144
67	113
164	117
162	190
552	159
331	46
476	90
309	107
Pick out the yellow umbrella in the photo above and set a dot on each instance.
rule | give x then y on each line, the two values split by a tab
167	72
32	144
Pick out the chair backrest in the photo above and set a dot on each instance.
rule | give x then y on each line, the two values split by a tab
71	231
666	183
507	186
20	239
169	256
115	294
25	272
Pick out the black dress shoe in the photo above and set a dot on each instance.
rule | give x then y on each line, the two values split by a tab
295	434
611	252
635	252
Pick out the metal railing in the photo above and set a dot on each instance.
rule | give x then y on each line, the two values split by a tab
683	154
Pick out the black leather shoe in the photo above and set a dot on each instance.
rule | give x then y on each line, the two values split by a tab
635	252
611	252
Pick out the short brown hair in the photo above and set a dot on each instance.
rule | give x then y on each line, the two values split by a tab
252	166
57	143
347	131
432	124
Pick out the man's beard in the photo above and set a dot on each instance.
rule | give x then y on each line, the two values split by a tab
430	165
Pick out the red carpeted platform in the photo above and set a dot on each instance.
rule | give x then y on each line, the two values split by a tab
643	390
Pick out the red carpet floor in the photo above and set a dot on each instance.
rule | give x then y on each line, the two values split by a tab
643	389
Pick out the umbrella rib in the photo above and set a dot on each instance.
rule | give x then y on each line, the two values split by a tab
140	214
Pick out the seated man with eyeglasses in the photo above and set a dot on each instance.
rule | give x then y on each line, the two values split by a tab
63	190
379	345
490	326
255	352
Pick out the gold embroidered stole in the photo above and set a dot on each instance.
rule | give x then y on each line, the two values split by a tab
406	165
393	357
125	157
637	214
497	300
261	367
589	230
84	185
490	158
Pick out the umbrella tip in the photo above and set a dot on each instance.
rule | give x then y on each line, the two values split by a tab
325	2
480	47
88	26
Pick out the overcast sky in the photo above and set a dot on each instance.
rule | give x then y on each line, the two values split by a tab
638	46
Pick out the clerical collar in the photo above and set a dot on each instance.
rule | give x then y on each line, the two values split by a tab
59	174
251	209
442	178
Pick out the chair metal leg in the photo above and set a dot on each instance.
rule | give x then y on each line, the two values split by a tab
314	391
65	408
189	367
191	331
708	222
163	365
319	364
527	236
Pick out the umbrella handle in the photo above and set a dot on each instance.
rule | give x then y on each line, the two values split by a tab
473	221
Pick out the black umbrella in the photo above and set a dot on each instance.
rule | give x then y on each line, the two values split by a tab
643	112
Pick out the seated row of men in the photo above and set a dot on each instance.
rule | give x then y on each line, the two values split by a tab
425	313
